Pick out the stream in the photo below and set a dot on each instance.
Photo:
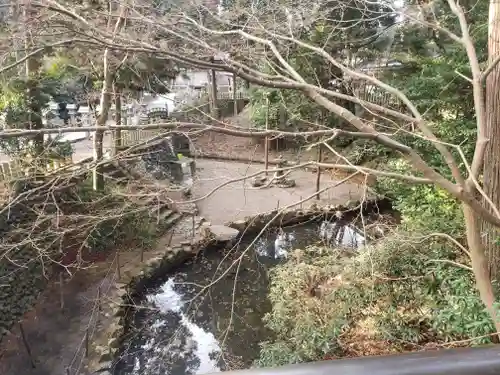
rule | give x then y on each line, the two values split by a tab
187	323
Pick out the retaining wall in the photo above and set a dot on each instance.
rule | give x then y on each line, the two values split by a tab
138	277
134	282
347	211
25	260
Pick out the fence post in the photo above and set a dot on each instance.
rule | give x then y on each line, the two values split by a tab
318	172
87	343
118	273
142	254
300	202
235	98
26	345
99	307
193	220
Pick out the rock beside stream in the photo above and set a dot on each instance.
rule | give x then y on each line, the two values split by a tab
221	233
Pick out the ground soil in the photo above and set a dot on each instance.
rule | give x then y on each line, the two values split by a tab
248	148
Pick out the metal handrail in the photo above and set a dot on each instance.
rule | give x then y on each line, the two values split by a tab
464	361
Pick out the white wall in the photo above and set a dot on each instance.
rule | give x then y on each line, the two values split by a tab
200	78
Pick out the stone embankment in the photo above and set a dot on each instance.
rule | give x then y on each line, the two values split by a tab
136	277
134	281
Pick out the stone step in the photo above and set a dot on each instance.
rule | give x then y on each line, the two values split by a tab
171	220
165	213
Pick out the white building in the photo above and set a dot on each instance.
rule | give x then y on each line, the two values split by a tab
200	79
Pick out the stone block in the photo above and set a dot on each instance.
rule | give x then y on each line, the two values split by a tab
105	354
114	343
221	233
153	262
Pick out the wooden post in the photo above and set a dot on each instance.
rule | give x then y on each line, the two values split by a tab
208	89
118	273
300	202
67	371
117	134
171	237
213	91
278	205
26	345
266	140
318	172
234	95
193	226
61	290
87	343
283	119
142	254
99	307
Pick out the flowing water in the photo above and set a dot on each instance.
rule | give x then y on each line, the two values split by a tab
207	316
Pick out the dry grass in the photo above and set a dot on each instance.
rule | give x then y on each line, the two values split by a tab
362	340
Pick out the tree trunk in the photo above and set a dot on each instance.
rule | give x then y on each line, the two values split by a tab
33	65
479	264
235	103
107	87
213	92
117	134
491	184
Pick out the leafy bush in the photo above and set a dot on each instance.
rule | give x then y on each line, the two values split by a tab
306	327
137	228
407	291
423	208
403	286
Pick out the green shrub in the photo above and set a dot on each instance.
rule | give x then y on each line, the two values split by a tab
423	208
306	327
402	285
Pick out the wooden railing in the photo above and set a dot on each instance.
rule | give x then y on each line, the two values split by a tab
14	170
133	137
229	95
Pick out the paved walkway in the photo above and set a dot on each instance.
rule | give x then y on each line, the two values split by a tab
237	200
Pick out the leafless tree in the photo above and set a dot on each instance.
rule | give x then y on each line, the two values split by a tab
256	50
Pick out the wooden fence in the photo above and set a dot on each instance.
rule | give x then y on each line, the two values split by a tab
133	137
229	95
14	170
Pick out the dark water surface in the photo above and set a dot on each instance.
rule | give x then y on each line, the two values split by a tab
207	316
